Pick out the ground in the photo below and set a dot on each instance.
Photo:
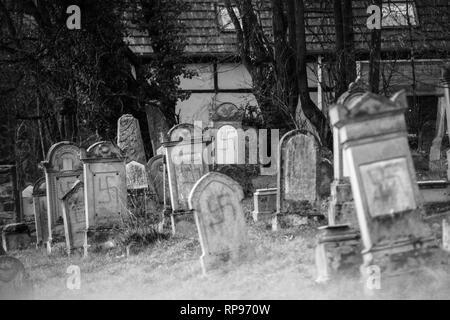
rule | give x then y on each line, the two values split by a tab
281	268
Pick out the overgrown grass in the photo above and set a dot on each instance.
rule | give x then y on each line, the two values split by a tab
282	267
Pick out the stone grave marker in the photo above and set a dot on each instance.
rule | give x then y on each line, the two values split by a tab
74	214
156	172
62	168
15	236
136	176
185	166
105	185
40	211
129	139
27	204
265	204
9	195
216	202
373	132
299	172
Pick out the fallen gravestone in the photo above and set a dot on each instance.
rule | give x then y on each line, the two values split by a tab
216	202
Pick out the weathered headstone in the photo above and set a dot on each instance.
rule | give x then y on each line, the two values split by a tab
182	132
216	201
373	132
62	168
265	204
136	176
9	195
105	186
338	250
298	175
40	211
73	207
185	166
15	236
156	172
341	206
129	139
14	282
27	204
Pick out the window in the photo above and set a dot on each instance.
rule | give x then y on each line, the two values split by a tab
224	19
395	13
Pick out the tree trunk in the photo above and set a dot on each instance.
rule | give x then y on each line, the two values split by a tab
375	57
315	116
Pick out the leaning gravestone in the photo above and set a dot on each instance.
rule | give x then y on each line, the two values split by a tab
62	168
157	175
40	211
74	217
185	166
298	174
216	202
129	139
105	187
373	132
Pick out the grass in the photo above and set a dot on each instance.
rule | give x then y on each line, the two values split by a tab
281	268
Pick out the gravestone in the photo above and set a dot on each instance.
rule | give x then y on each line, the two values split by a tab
341	209
299	174
216	202
157	175
9	195
372	130
129	139
14	282
62	168
264	204
136	176
183	132
185	166
40	211
73	207
105	186
15	236
27	204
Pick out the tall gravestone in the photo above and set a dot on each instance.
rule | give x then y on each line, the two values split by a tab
298	174
9	195
185	166
73	208
105	188
62	168
40	211
373	133
216	202
157	175
129	139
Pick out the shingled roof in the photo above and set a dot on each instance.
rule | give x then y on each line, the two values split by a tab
206	37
